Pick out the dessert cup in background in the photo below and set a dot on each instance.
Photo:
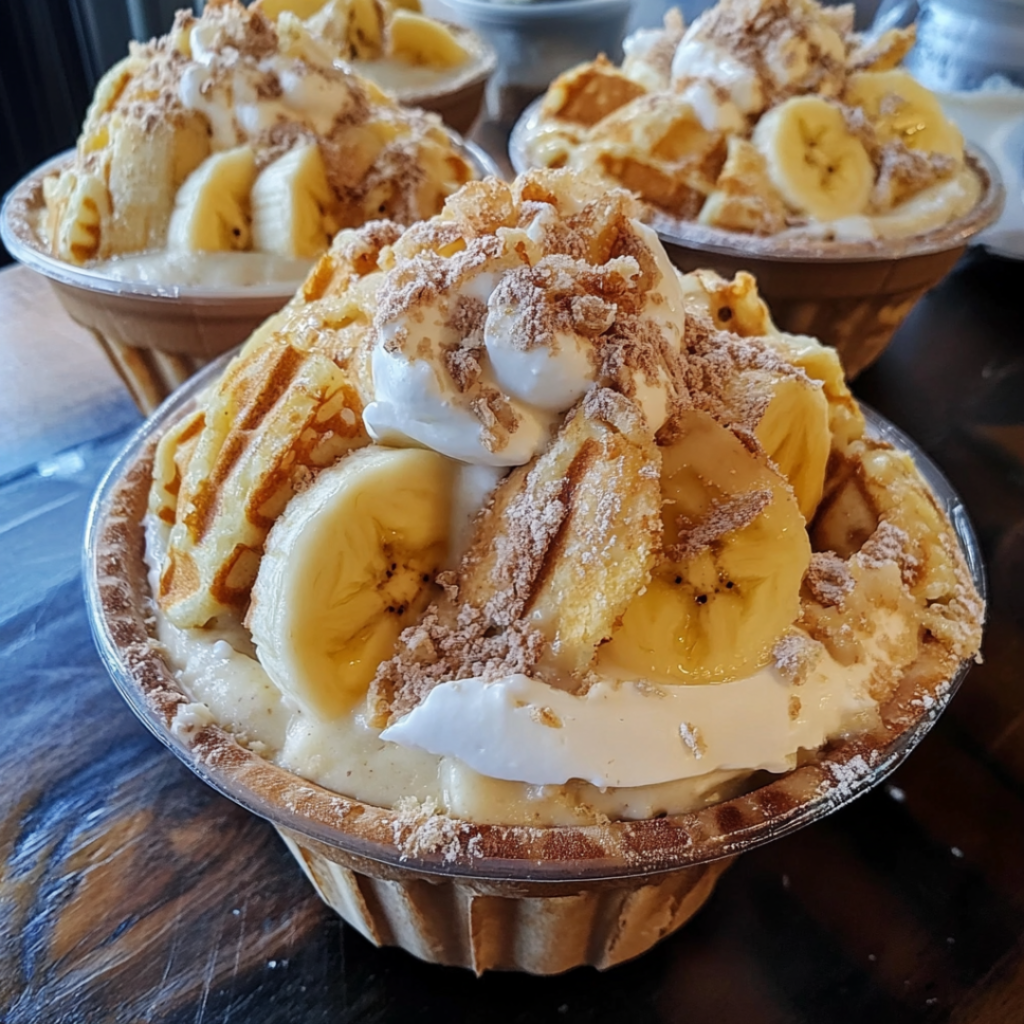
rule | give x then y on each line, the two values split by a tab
537	899
215	165
457	101
155	335
537	41
773	137
421	60
852	295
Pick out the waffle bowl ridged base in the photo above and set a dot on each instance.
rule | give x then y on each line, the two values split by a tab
156	343
536	899
541	928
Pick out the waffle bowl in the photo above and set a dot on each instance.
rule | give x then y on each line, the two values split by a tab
156	336
852	295
537	899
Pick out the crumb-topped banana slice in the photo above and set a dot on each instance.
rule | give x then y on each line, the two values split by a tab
728	584
564	546
569	540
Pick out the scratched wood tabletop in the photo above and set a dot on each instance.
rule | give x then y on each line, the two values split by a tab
130	891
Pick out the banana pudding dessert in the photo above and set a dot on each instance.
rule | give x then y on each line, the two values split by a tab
231	151
504	520
764	117
416	58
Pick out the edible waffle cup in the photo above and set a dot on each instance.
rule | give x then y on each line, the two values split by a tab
156	336
542	900
850	295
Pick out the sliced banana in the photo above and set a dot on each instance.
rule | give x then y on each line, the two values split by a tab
902	109
211	210
821	363
110	87
148	164
592	501
794	432
420	40
366	28
292	205
736	551
355	26
817	165
346	568
300	8
78	212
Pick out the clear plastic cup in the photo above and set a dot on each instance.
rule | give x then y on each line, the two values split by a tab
542	900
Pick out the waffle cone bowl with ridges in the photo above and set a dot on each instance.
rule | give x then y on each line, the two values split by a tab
542	899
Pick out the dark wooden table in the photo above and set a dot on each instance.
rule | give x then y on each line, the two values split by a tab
130	891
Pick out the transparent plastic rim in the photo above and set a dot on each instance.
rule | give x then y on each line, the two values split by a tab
691	235
224	780
90	280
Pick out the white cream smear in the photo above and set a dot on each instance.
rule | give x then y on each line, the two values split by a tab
400	77
316	93
930	208
217	669
629	734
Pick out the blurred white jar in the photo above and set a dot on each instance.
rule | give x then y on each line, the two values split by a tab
536	41
963	43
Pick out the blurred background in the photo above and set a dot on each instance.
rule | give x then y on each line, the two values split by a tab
53	52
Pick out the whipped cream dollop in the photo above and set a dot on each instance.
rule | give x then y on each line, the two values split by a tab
478	355
722	90
241	99
634	734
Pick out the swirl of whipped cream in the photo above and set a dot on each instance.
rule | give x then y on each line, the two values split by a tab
247	96
476	355
735	86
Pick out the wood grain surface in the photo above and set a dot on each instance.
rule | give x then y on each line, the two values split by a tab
55	387
130	891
